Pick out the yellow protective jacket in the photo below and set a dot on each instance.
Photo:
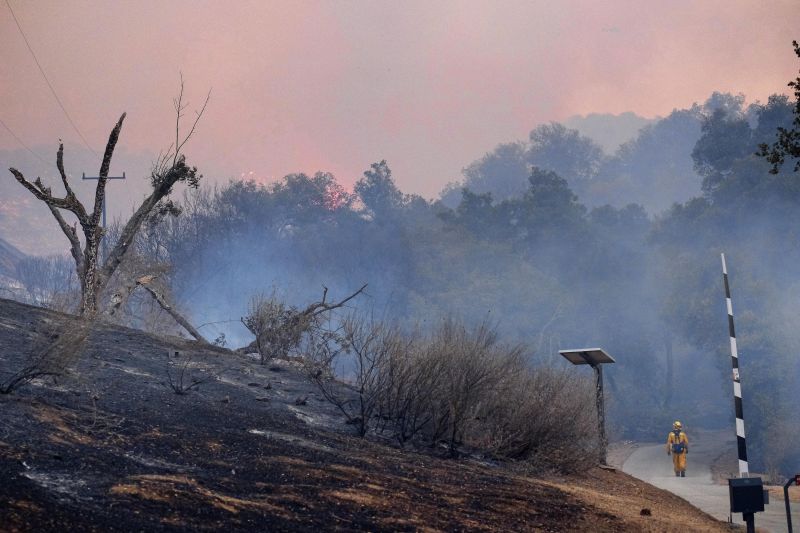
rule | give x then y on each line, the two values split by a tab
676	442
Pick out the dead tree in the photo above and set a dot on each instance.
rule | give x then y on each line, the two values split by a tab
170	169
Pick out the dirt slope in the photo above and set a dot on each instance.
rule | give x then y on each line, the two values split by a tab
111	448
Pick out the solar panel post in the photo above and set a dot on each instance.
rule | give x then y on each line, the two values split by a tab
601	412
792	481
596	358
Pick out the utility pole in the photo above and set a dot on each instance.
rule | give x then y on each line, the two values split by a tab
104	197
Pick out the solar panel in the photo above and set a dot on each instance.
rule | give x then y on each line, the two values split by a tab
587	356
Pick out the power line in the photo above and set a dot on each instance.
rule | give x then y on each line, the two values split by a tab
52	90
37	156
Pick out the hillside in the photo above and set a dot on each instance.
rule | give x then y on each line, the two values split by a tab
112	448
9	257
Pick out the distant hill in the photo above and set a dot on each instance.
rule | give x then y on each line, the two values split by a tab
9	257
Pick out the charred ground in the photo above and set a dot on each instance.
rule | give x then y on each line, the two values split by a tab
111	447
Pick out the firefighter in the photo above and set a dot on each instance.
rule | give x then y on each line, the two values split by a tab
678	446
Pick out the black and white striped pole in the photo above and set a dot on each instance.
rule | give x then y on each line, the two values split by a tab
747	493
737	384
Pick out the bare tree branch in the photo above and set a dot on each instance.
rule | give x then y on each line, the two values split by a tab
72	235
100	191
179	107
42	195
322	307
62	172
162	188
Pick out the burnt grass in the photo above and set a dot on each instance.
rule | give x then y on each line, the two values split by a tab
110	447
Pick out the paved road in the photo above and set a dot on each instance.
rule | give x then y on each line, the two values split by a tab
650	463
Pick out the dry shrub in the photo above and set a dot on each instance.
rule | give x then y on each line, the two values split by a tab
278	328
372	346
544	416
58	346
182	379
411	387
458	387
472	365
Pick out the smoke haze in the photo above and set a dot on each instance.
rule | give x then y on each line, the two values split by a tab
419	149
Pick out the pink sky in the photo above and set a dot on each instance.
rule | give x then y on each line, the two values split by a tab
429	86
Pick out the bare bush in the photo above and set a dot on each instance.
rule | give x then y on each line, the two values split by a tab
412	383
371	345
456	386
473	364
179	376
279	328
544	416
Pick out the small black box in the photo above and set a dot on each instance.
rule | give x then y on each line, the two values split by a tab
747	494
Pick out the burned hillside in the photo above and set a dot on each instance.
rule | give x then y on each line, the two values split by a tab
113	447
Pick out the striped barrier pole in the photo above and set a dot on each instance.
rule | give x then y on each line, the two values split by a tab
737	385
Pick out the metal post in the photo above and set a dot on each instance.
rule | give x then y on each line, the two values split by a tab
104	196
750	522
786	502
595	358
601	415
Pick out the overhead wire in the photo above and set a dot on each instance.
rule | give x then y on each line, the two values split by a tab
52	90
37	156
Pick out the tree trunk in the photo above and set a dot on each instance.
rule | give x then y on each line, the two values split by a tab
90	283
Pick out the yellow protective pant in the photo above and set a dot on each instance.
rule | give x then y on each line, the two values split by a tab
679	461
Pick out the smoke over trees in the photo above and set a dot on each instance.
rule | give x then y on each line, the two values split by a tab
546	265
556	244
